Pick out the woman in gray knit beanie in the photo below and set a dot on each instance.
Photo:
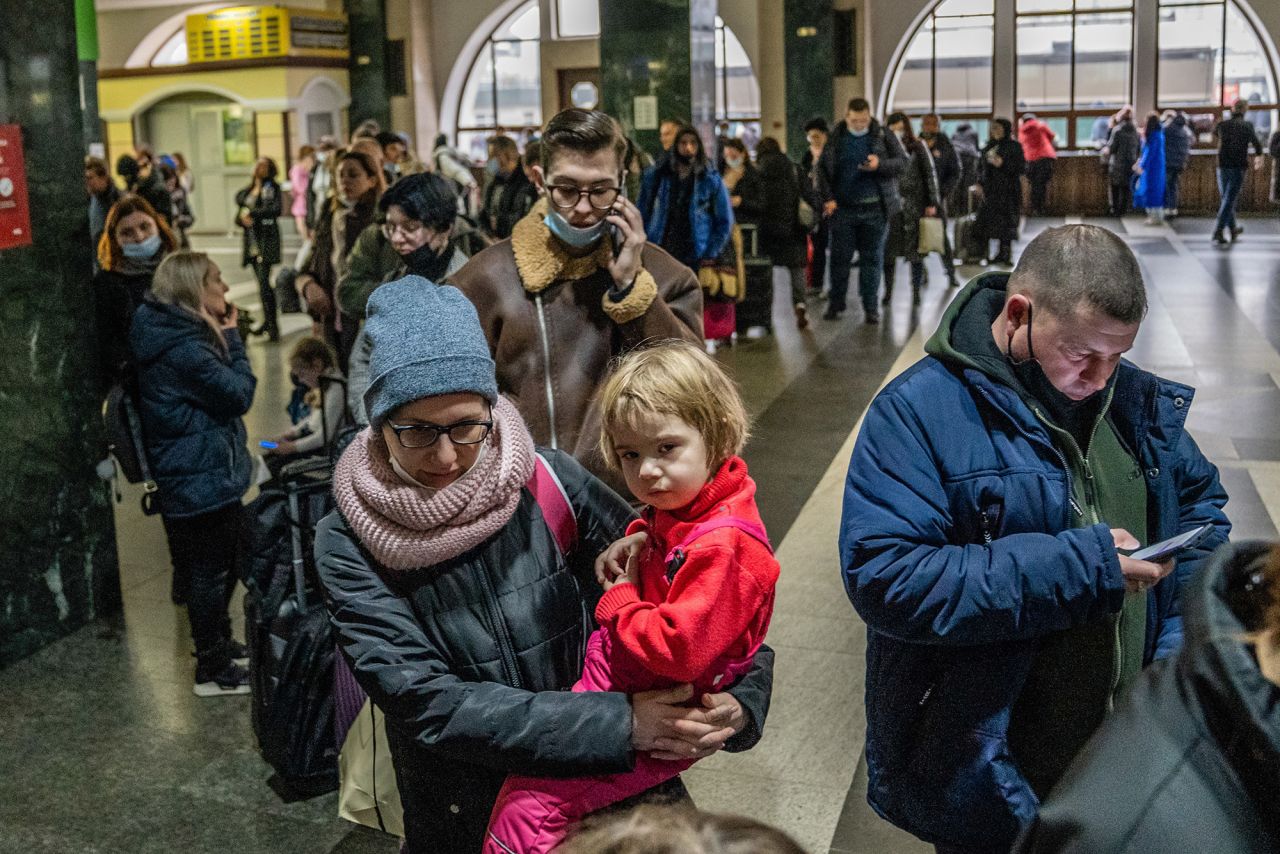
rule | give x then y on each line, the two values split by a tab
459	612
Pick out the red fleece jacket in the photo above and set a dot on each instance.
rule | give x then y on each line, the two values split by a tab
719	604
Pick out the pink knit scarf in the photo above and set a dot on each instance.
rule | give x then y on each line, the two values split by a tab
402	528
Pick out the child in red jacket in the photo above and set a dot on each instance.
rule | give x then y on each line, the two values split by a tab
688	592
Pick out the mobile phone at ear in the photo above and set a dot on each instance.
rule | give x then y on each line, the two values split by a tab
1166	549
615	237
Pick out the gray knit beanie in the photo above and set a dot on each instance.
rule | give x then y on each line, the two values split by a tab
426	341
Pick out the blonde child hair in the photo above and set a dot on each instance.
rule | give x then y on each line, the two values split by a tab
179	281
311	349
679	379
676	829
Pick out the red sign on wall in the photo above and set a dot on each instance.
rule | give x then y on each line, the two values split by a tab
15	215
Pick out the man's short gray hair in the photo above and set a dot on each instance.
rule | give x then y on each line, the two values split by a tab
1073	265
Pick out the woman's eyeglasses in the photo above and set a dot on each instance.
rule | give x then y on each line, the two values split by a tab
426	435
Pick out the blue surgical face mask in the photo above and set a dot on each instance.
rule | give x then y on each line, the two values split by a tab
571	235
143	250
866	130
491	166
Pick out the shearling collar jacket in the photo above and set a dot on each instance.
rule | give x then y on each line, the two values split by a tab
553	327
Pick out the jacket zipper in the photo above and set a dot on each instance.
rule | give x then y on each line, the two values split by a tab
1071	497
500	631
546	365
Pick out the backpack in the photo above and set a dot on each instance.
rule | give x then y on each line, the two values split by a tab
123	424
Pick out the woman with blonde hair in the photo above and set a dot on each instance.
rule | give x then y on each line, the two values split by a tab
194	384
134	240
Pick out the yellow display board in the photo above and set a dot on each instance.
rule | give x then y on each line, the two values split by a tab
254	32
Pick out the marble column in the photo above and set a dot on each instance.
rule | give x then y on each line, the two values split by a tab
663	49
58	566
87	47
367	69
810	54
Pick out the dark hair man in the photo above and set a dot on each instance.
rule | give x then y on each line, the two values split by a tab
509	194
141	177
816	133
946	162
103	193
857	176
558	304
393	151
1235	136
990	490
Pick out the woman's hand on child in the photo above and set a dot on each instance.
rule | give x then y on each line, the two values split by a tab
612	565
665	728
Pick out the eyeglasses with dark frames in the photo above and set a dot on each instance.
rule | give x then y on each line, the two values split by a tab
566	196
415	436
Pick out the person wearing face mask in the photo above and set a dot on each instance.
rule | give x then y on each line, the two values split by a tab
103	193
1000	189
858	183
993	493
576	286
194	386
142	178
685	203
133	243
444	513
921	197
352	209
816	133
509	194
260	205
414	238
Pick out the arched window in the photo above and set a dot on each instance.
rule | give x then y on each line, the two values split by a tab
1209	56
1075	63
946	68
504	88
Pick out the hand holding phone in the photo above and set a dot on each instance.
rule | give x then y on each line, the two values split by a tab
268	444
1165	549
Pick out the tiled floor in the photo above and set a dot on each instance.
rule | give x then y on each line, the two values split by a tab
104	748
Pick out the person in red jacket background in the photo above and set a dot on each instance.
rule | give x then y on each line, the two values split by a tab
1038	141
689	589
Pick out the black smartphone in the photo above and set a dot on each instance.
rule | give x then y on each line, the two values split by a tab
615	238
1165	549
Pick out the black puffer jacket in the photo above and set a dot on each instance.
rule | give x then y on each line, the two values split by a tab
471	660
1192	761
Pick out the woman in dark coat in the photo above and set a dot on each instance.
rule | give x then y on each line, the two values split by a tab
459	613
353	208
1191	762
782	237
135	239
259	207
1123	149
1000	183
194	385
918	185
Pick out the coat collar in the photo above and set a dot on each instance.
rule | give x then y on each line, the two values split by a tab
541	259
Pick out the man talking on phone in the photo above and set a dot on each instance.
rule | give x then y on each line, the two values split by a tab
993	493
576	285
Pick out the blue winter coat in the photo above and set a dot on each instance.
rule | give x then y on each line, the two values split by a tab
192	397
1150	190
710	213
946	457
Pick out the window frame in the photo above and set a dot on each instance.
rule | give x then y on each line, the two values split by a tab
932	17
1217	110
1073	114
487	53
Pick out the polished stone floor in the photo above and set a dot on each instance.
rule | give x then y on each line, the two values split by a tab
103	747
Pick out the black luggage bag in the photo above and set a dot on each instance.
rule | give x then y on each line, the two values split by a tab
756	308
290	640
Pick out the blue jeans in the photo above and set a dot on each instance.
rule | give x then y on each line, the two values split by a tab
1230	180
863	229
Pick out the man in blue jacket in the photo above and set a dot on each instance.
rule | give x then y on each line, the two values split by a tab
988	494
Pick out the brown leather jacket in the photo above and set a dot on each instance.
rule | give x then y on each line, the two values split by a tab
553	329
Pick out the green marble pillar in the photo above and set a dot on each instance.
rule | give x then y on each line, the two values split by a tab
87	49
367	69
58	564
810	57
659	48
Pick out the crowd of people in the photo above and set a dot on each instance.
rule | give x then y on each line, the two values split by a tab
547	567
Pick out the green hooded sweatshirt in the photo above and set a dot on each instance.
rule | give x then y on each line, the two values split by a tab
1078	673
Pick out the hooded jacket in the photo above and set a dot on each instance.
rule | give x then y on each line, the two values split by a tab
959	551
472	659
1195	750
1177	143
710	214
554	326
192	397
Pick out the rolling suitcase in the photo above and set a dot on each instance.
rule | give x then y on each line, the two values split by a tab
291	649
756	308
969	246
